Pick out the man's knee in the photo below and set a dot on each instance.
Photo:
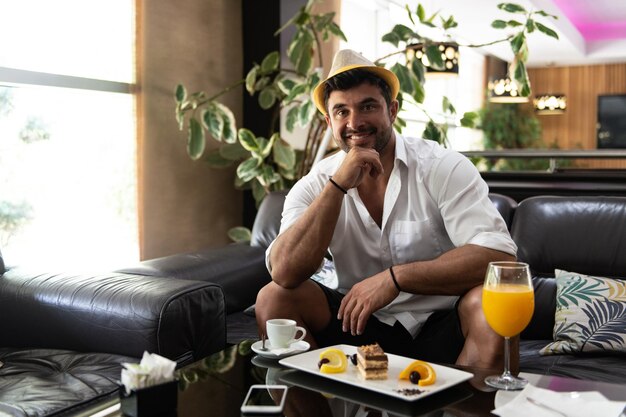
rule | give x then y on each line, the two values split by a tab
273	298
265	293
470	310
471	302
306	304
271	295
483	347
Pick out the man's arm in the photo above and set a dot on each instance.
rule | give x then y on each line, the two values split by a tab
453	273
297	252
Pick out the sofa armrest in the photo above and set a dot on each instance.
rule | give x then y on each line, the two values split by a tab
239	269
112	313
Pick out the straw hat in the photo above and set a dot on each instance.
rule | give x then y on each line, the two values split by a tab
346	60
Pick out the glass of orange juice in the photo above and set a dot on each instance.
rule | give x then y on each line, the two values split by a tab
508	304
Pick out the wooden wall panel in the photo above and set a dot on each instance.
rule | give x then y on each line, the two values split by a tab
576	129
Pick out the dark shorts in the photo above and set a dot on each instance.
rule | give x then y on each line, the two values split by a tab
440	339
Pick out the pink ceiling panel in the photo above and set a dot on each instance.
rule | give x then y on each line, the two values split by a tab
596	19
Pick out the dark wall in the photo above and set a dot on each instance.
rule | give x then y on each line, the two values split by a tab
260	20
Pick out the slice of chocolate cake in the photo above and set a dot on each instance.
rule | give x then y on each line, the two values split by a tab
372	362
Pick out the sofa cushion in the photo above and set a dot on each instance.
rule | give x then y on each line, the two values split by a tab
583	234
41	382
590	315
241	326
594	367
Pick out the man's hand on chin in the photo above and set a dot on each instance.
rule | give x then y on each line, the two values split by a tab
358	163
364	299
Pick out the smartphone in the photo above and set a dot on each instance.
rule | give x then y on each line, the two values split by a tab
265	399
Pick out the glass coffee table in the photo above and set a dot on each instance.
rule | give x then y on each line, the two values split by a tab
217	385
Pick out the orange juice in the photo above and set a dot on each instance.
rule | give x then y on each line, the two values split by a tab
508	308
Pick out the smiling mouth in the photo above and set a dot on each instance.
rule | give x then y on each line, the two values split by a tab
358	136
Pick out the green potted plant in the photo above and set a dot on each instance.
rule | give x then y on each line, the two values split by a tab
510	126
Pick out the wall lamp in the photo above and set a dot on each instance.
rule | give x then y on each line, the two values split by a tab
449	55
505	91
550	103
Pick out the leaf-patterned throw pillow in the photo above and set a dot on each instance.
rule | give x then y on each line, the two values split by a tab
590	315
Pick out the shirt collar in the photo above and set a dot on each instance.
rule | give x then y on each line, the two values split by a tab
400	148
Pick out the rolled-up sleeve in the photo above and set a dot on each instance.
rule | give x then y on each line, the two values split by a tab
463	199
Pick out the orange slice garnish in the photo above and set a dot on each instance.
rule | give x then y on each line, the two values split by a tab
427	373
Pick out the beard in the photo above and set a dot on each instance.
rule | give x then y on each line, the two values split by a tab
381	138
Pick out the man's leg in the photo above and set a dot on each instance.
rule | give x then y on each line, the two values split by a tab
306	304
483	347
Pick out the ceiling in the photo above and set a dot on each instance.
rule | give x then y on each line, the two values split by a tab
590	31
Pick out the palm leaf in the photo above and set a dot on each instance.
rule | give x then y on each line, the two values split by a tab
617	289
567	338
564	330
607	324
574	289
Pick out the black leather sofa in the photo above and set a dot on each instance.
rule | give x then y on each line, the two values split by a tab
579	234
75	330
63	337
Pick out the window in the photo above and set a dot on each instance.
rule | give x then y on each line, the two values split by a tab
67	134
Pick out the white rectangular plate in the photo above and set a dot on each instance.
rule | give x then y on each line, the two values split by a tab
446	377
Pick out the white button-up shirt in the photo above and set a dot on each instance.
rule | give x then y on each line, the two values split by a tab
435	201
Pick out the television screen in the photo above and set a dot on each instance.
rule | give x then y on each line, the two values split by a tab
611	126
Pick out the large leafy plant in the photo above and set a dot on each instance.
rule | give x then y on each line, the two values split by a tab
264	164
267	164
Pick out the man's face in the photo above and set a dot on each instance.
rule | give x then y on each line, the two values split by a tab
360	117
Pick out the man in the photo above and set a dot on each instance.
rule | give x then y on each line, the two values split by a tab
408	223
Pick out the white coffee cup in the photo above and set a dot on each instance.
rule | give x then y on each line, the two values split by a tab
282	332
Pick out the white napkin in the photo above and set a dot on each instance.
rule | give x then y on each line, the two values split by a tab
570	404
152	370
281	351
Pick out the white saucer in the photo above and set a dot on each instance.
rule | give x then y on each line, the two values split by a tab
279	353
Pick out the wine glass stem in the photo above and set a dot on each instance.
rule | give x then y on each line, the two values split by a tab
507	358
